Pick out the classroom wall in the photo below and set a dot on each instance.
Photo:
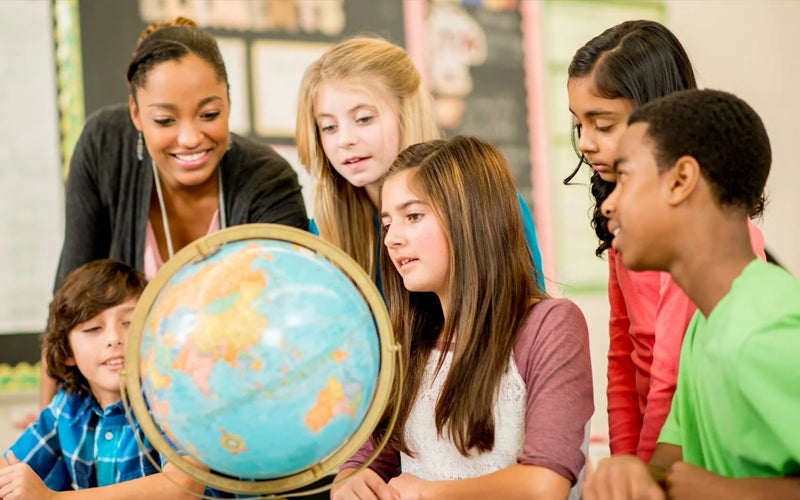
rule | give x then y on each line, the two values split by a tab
750	48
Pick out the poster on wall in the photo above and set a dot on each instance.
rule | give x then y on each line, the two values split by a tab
475	70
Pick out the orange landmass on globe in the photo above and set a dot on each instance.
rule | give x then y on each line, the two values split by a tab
331	402
217	336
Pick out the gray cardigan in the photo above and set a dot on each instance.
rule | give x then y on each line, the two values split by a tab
108	191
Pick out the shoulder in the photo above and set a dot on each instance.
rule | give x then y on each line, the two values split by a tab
764	292
551	321
110	119
255	156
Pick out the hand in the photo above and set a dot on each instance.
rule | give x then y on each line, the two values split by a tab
686	481
409	486
621	477
364	485
18	482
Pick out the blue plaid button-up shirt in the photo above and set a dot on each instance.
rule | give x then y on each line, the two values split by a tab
75	444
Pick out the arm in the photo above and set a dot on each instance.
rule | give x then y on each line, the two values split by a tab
688	482
673	313
20	481
624	418
517	481
533	243
261	186
47	384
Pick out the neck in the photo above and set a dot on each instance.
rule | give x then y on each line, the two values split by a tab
182	193
709	261
373	192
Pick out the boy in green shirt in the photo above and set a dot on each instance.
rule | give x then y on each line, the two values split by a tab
690	168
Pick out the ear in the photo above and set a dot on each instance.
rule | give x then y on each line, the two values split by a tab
70	361
682	179
134	109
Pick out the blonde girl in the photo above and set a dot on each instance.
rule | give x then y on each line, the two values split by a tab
359	105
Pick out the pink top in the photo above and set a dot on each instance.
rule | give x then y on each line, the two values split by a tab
649	316
152	257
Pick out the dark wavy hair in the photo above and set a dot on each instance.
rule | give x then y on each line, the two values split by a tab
719	130
636	60
86	292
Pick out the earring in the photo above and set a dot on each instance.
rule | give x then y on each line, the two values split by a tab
140	147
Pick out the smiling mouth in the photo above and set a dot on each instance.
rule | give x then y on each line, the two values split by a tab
191	157
114	362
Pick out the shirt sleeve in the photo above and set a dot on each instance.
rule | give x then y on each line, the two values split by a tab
40	448
674	311
624	416
552	355
87	223
530	236
768	371
386	464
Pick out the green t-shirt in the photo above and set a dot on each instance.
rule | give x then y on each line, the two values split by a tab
736	410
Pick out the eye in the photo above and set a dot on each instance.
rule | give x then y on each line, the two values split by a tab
363	120
163	121
327	129
91	329
604	128
415	217
210	115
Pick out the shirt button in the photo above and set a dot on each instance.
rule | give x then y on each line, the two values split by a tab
109	435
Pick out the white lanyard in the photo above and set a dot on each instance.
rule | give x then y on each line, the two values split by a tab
221	200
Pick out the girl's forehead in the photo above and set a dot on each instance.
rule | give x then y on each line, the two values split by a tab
371	89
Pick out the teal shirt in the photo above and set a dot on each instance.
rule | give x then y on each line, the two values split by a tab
530	237
737	403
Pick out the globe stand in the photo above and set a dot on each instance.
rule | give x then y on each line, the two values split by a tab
390	371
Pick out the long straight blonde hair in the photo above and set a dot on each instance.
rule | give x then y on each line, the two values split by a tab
470	188
344	213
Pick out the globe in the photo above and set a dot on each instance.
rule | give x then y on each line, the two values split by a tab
264	354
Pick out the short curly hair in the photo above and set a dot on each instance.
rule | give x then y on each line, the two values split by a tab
722	132
86	292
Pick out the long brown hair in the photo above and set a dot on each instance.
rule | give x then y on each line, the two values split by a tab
470	187
344	213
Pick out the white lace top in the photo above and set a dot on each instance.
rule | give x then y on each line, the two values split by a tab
437	458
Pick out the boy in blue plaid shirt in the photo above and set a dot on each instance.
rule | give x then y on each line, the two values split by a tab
82	439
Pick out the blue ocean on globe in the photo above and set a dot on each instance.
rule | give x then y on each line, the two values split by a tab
261	360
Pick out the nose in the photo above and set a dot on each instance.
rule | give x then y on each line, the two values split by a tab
609	205
347	136
116	335
393	237
586	141
189	135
